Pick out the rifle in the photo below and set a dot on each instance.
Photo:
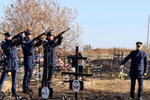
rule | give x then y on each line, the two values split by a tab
61	33
38	37
17	38
45	33
19	34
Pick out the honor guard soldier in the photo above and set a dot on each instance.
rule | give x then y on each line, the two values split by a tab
28	46
50	55
138	69
10	63
29	60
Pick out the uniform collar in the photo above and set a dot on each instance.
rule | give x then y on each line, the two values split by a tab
139	50
28	39
49	40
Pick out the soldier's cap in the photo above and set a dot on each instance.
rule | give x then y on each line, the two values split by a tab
139	43
49	33
7	34
28	32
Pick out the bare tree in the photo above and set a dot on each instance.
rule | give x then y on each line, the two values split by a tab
41	15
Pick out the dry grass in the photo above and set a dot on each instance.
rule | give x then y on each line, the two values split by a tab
104	88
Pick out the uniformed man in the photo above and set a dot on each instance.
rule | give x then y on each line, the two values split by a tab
138	69
28	46
29	60
50	54
10	63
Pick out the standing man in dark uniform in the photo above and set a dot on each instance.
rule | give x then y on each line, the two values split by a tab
50	55
28	46
10	63
138	69
29	60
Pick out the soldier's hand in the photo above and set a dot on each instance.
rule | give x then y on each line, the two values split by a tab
61	35
43	37
121	67
22	35
34	42
29	28
145	74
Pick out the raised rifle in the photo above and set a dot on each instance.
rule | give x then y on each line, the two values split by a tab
38	39
17	38
39	36
57	38
19	34
61	33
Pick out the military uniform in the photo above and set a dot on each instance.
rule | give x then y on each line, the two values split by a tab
29	61
139	66
50	57
10	63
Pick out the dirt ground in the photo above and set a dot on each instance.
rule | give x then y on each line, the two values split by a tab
104	88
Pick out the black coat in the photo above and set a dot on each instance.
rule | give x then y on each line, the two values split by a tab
50	51
29	53
139	63
9	50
